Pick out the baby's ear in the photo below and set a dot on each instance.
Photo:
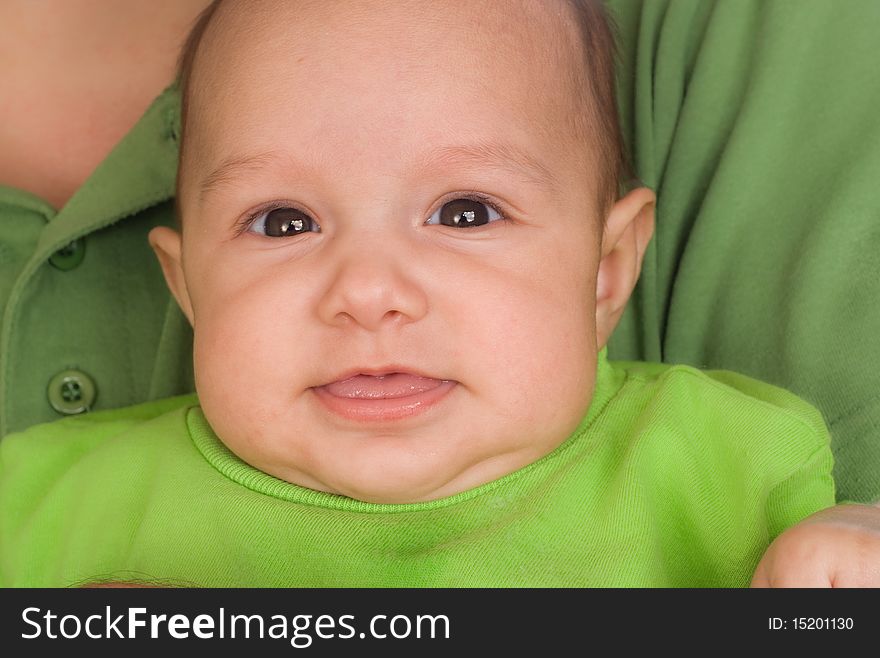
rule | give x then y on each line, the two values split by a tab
628	230
166	242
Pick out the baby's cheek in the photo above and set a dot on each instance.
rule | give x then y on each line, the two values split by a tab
553	359
569	359
232	379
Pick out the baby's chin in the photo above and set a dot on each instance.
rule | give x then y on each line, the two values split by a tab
392	486
402	483
418	464
386	482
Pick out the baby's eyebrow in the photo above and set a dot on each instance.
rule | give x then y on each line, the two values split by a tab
233	167
490	154
476	156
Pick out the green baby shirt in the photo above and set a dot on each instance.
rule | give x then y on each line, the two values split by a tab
674	478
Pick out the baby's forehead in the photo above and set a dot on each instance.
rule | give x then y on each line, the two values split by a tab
328	65
534	40
519	18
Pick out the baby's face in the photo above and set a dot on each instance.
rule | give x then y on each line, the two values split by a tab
391	242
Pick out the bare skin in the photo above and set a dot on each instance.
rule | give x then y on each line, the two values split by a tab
77	75
837	547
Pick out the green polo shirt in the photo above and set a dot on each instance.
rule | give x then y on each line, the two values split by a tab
756	122
674	478
87	321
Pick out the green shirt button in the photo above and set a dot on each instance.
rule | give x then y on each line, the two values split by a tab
69	256
71	392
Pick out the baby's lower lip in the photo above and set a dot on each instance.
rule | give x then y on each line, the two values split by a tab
389	397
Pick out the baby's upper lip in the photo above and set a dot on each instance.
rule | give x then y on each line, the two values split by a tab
380	371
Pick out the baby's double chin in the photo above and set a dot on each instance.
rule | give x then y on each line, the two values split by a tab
435	482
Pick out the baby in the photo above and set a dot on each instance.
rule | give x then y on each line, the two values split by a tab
402	252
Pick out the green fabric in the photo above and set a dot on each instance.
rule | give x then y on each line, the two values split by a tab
111	316
756	122
674	478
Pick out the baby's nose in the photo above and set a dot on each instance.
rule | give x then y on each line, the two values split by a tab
373	289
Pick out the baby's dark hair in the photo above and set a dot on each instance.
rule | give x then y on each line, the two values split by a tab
595	85
599	98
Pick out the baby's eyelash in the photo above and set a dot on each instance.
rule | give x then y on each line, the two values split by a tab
478	197
245	222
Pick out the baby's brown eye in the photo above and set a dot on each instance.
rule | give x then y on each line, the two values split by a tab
282	222
464	213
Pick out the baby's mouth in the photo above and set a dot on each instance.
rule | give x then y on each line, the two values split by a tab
387	396
377	387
